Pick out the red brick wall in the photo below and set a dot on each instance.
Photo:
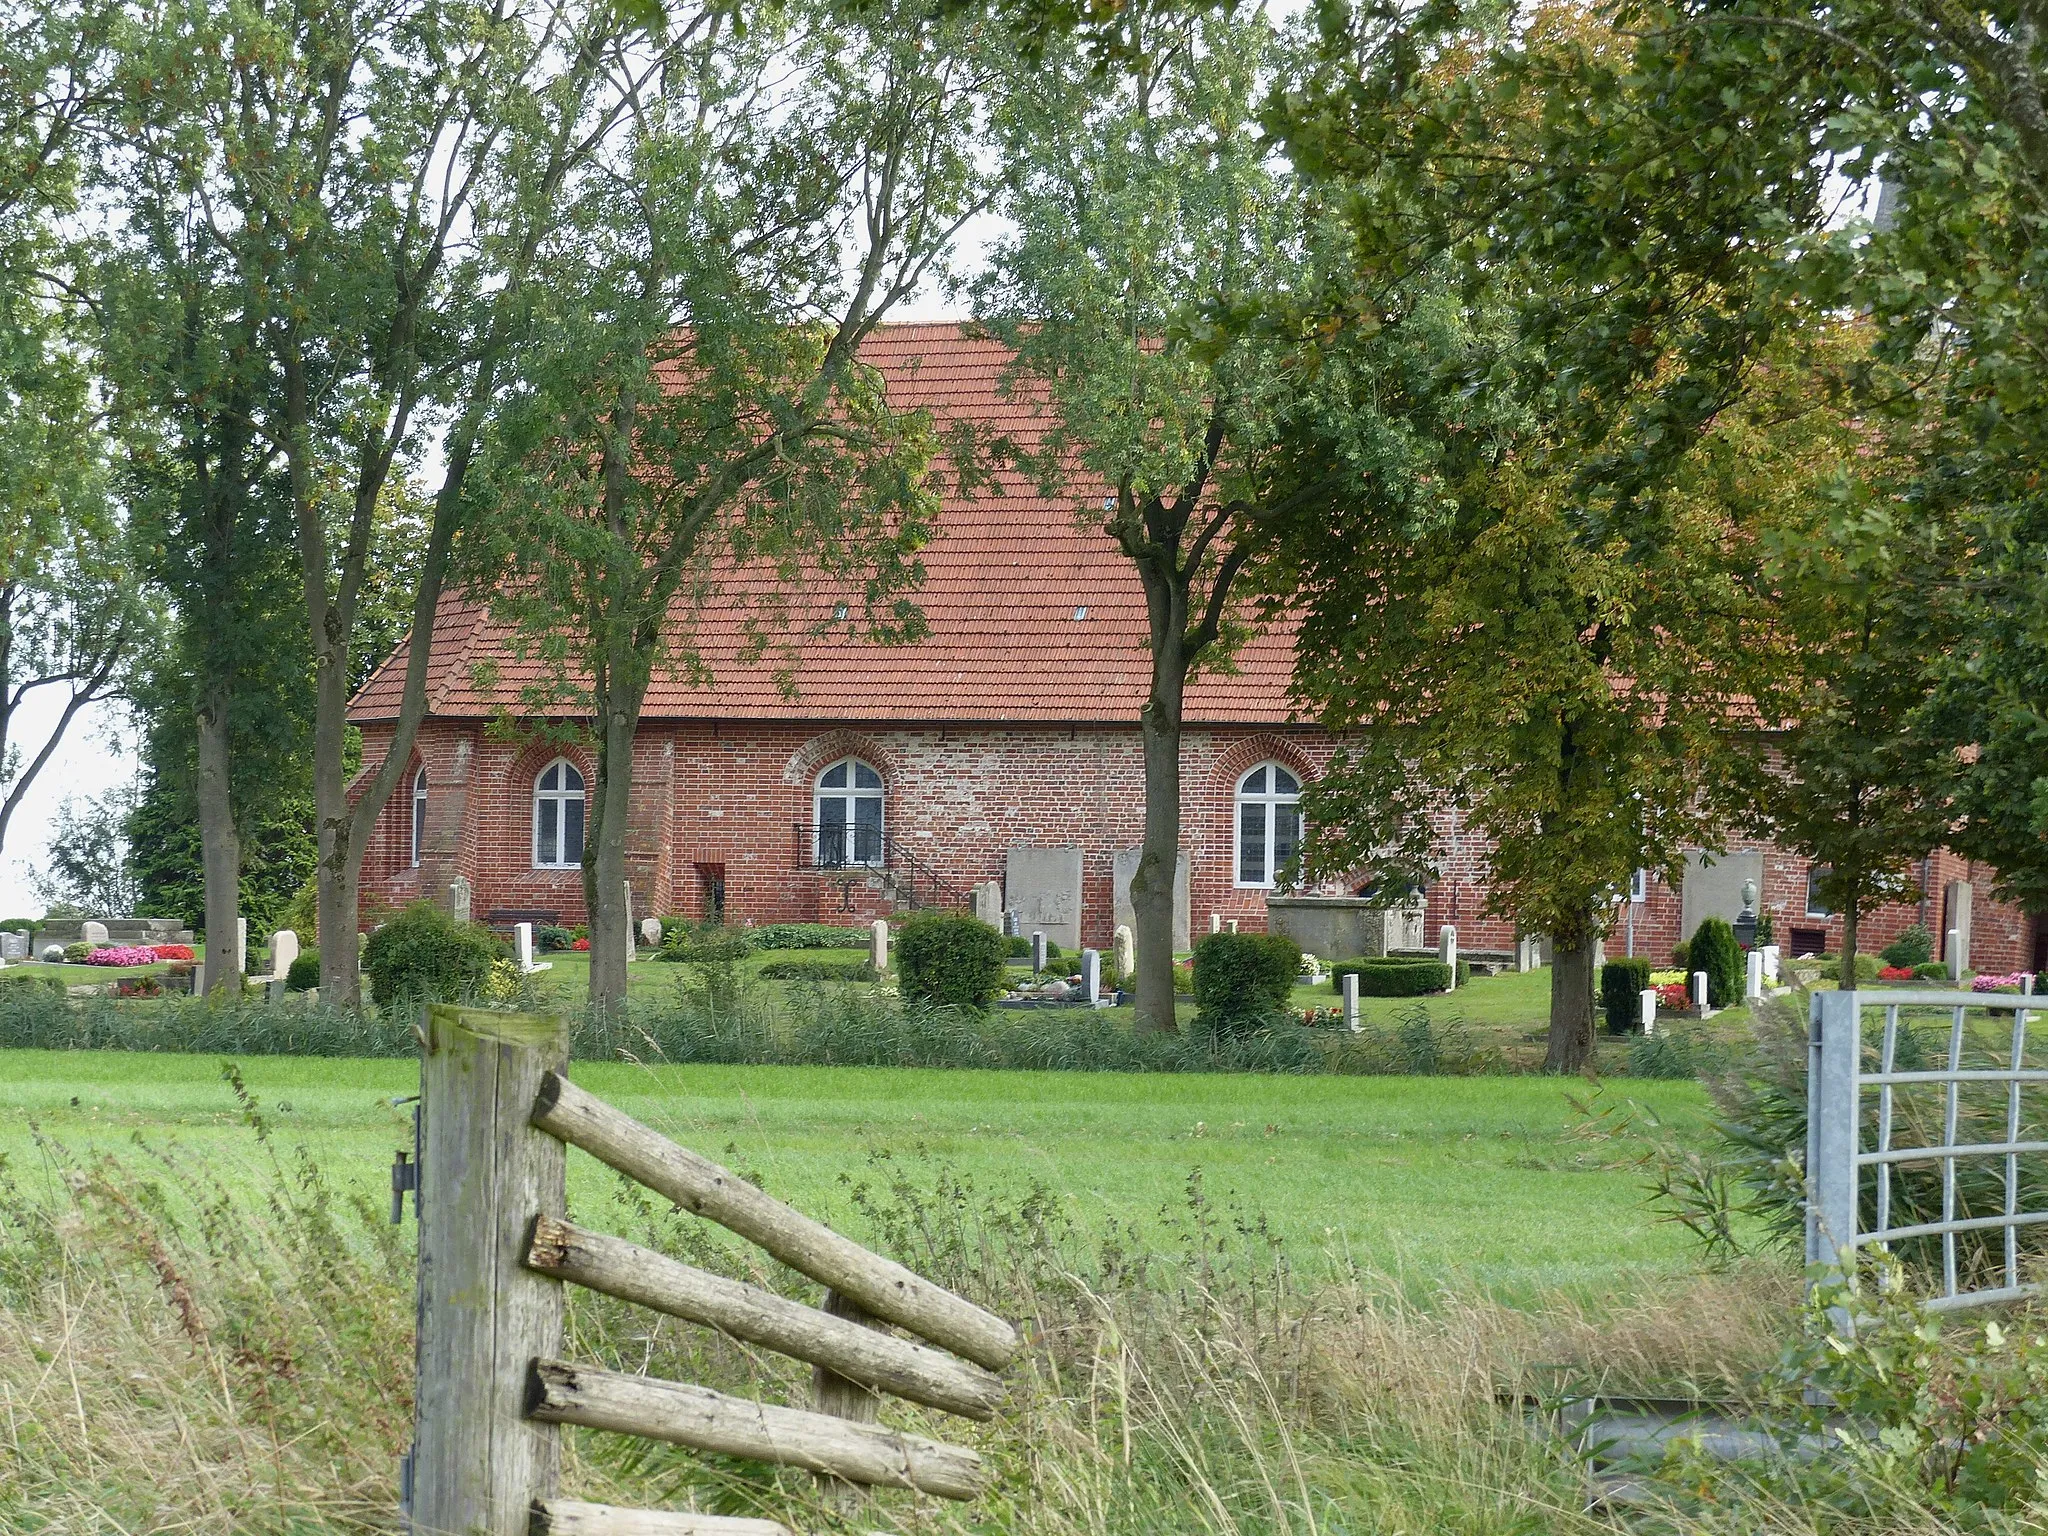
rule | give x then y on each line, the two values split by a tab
730	796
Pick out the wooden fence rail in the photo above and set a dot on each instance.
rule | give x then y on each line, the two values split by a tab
496	1245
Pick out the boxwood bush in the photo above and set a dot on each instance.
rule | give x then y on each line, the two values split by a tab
949	959
807	936
423	953
1622	984
818	968
1393	975
1244	979
303	975
1914	947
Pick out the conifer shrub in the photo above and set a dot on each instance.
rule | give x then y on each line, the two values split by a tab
1713	949
303	975
949	959
1913	947
423	954
1622	984
1244	979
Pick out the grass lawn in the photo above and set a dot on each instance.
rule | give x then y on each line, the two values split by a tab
1439	1180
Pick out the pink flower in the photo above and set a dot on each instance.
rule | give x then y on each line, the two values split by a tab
122	954
2015	981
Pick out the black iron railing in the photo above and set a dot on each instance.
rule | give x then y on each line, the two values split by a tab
854	849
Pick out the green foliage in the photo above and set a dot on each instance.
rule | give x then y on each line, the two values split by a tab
1681	956
1018	947
1914	947
17	925
1931	970
303	975
1393	975
1622	983
1713	949
1866	969
1243	980
423	954
705	944
948	959
41	981
548	938
804	936
76	951
817	970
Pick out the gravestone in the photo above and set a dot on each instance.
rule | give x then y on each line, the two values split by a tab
1770	952
1126	950
1091	975
522	942
1343	927
1649	1010
242	945
13	946
1351	1018
1753	982
284	949
458	898
632	949
93	933
988	903
1037	951
1699	992
1044	890
1957	897
1123	865
1528	953
650	932
878	945
1447	952
1215	922
1715	889
1011	927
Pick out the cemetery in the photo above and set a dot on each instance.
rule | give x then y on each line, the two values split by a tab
1013	770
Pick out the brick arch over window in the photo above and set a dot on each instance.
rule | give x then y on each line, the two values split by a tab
804	763
1241	756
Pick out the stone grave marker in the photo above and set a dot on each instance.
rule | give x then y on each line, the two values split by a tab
878	945
1956	958
988	903
1123	864
1126	947
1447	952
1753	981
1215	922
522	942
1770	952
1038	951
13	946
458	898
1957	899
650	932
284	949
1044	889
1649	1010
1352	1021
1699	992
632	947
93	933
1091	975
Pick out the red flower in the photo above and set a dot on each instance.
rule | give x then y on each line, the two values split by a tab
1896	973
1673	995
579	945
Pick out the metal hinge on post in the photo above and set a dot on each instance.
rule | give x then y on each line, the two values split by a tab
405	1168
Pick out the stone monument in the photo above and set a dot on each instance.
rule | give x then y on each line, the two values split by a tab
1044	890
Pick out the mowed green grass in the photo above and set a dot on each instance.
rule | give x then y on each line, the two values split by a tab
1459	1182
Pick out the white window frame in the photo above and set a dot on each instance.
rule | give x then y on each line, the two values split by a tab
419	813
561	798
1812	911
1639	886
1269	800
850	793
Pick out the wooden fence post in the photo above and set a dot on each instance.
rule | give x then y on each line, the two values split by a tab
478	1463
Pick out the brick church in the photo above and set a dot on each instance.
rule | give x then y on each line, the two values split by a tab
877	778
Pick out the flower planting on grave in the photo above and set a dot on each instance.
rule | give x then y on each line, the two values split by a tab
124	955
1672	995
2012	981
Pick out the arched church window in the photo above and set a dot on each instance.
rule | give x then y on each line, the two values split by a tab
558	816
419	815
1268	823
848	803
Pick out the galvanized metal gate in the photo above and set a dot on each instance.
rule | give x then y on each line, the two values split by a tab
1986	1044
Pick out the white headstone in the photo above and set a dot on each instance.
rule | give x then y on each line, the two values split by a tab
1955	955
1770	952
1038	950
284	949
1649	1010
1447	952
1091	975
522	945
1753	988
1215	922
92	933
1525	954
878	945
650	932
13	946
1126	947
632	948
1351	1017
1699	990
1231	925
242	945
1043	885
1957	897
988	903
1123	868
458	898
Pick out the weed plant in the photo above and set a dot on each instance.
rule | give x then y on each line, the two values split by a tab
179	1354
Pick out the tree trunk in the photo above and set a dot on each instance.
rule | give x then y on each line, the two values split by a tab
1850	918
604	860
1158	861
219	845
1572	1011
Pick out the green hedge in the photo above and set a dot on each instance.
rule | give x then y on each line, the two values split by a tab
1713	949
1394	975
1243	979
424	953
687	944
41	981
808	936
818	970
1622	984
949	959
1018	947
303	975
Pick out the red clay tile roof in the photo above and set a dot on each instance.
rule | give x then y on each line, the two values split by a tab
1006	577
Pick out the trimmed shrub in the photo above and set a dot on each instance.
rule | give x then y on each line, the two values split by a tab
1867	968
802	936
1713	949
74	954
949	959
1681	955
705	946
1622	984
1018	947
1394	975
817	970
17	925
1931	970
1243	979
1913	947
423	953
548	938
303	975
